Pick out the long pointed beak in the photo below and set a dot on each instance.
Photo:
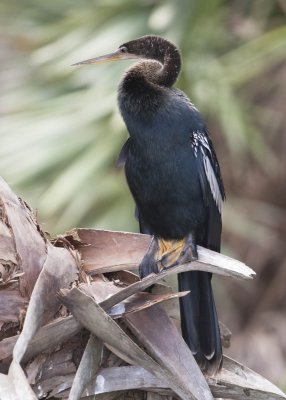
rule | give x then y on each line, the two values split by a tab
115	56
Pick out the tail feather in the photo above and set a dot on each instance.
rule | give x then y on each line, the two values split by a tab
189	307
199	320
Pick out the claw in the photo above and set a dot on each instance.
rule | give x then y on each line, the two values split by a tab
189	252
163	254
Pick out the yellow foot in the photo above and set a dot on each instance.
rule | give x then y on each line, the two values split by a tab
163	254
168	253
175	252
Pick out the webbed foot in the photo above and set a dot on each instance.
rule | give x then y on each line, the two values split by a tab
189	252
163	254
178	252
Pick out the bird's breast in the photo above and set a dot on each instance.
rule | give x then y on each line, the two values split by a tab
160	160
163	177
162	171
165	186
161	166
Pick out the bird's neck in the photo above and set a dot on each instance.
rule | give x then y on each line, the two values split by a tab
170	60
160	68
138	96
143	88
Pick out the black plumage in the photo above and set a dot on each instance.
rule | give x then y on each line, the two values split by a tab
174	176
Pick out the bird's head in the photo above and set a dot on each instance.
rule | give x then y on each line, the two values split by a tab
148	47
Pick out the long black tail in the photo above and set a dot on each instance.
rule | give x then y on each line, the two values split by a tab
199	320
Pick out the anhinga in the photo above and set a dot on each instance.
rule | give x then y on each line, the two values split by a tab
174	176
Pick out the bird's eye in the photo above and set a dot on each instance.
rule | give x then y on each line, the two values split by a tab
123	49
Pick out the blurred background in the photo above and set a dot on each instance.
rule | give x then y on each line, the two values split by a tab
61	132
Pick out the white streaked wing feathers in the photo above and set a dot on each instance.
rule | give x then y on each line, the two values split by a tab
213	182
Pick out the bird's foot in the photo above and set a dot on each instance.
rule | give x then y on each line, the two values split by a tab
178	252
189	252
163	254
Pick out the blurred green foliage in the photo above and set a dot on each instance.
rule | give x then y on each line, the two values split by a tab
61	130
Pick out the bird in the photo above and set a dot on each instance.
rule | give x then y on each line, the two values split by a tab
174	176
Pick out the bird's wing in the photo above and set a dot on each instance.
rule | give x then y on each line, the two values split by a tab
123	154
121	160
212	186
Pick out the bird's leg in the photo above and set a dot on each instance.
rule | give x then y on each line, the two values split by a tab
177	252
149	263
